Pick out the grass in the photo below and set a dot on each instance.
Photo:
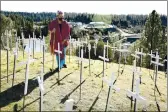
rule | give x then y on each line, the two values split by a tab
12	97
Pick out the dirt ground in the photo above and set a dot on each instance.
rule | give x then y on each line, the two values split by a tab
93	96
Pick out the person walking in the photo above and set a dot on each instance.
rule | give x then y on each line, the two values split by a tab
59	30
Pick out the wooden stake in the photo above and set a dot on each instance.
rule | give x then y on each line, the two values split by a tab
89	48
33	45
70	49
81	60
7	56
104	59
111	86
40	81
59	52
53	52
23	44
14	66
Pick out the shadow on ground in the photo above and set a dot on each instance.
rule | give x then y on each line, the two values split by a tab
16	92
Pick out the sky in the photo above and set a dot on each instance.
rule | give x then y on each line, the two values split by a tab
99	7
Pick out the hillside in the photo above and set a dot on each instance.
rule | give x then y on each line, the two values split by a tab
55	95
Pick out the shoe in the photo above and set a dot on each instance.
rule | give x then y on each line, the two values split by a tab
57	69
64	65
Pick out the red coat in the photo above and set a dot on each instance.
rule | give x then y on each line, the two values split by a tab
59	35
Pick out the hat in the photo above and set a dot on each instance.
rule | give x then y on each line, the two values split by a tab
59	12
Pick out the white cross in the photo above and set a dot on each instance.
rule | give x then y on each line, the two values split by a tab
111	86
107	46
40	82
89	48
44	46
134	70
156	63
95	48
125	46
41	87
59	52
79	44
113	49
104	56
121	51
141	54
135	55
134	63
43	43
81	59
29	41
15	51
110	83
157	60
74	43
28	61
70	42
69	105
136	95
27	71
104	59
96	41
165	60
152	55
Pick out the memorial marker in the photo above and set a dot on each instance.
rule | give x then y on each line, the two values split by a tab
23	43
135	95
104	59
52	49
141	55
81	60
70	41
134	72
113	49
59	52
111	86
107	51
94	49
27	74
69	105
89	48
14	65
119	61
156	63
33	45
7	51
40	82
43	44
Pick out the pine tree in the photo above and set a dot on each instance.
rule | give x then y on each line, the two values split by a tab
153	31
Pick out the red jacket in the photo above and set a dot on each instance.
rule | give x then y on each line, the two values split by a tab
59	35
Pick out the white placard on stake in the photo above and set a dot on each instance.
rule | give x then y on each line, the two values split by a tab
40	82
111	86
59	52
136	96
27	72
69	105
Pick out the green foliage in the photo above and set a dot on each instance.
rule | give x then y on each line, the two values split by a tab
6	23
118	20
102	18
152	38
153	31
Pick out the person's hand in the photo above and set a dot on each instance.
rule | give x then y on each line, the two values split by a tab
63	41
53	30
